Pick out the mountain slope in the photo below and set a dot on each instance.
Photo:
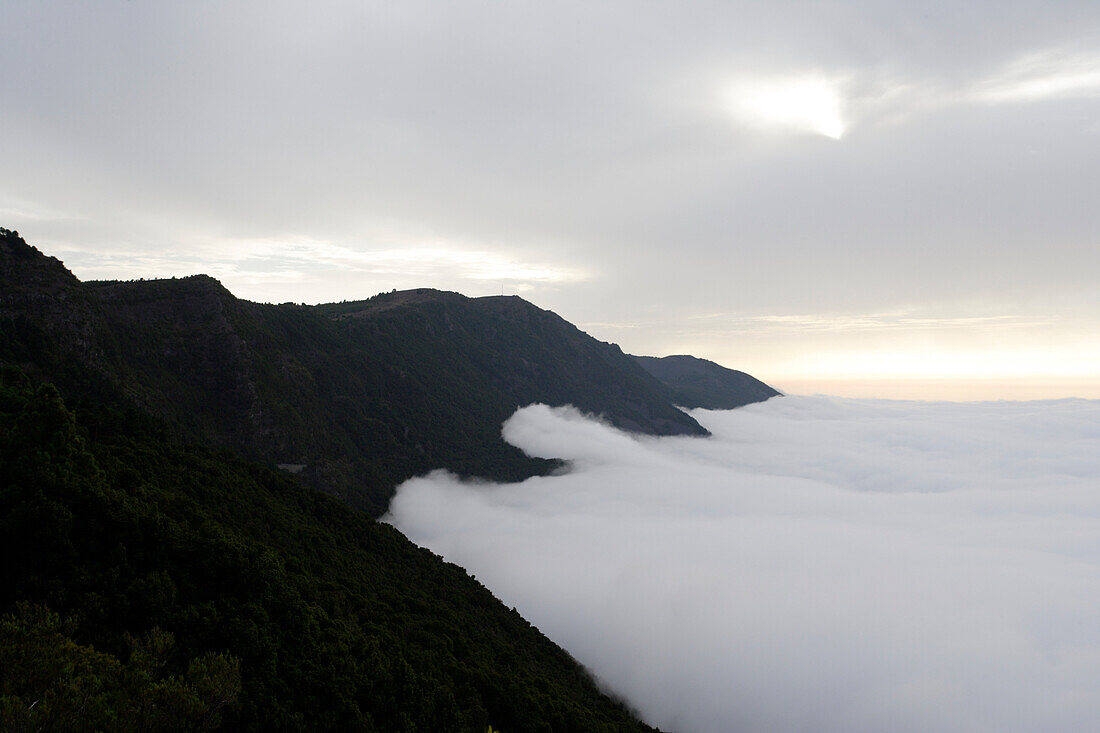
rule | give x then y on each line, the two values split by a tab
694	382
359	396
155	580
148	585
510	346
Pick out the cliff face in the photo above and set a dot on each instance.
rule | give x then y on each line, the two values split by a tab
362	394
692	382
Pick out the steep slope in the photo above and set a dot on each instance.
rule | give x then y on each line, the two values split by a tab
152	586
358	396
512	347
694	382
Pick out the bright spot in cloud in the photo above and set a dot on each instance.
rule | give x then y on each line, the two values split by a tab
818	564
805	104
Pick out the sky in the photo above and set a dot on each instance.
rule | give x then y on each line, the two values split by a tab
881	198
825	564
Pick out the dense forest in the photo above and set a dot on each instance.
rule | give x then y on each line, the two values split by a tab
162	573
148	585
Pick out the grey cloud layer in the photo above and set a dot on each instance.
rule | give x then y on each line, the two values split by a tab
594	137
834	565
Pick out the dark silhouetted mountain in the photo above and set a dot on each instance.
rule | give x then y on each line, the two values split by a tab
153	581
159	574
694	382
151	586
359	395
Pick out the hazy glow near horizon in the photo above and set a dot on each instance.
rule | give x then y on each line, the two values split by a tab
945	374
946	389
946	363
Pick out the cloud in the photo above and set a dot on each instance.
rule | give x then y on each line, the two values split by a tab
625	161
17	211
263	267
806	104
818	564
832	104
1047	74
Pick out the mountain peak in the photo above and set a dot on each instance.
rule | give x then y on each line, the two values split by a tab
695	382
27	273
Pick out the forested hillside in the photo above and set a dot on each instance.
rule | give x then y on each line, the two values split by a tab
147	585
160	573
359	395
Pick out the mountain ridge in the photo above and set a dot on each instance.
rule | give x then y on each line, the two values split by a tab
693	382
155	552
364	394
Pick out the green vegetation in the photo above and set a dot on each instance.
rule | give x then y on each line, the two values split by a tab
50	682
151	585
160	574
364	395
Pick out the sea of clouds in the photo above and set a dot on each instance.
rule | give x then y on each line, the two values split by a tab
819	564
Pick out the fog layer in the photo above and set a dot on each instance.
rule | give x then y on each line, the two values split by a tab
818	564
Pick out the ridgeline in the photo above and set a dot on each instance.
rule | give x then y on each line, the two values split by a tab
693	382
162	574
361	395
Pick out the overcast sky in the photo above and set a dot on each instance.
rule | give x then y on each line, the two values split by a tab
804	191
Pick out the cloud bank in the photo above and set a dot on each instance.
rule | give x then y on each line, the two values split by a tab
818	564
